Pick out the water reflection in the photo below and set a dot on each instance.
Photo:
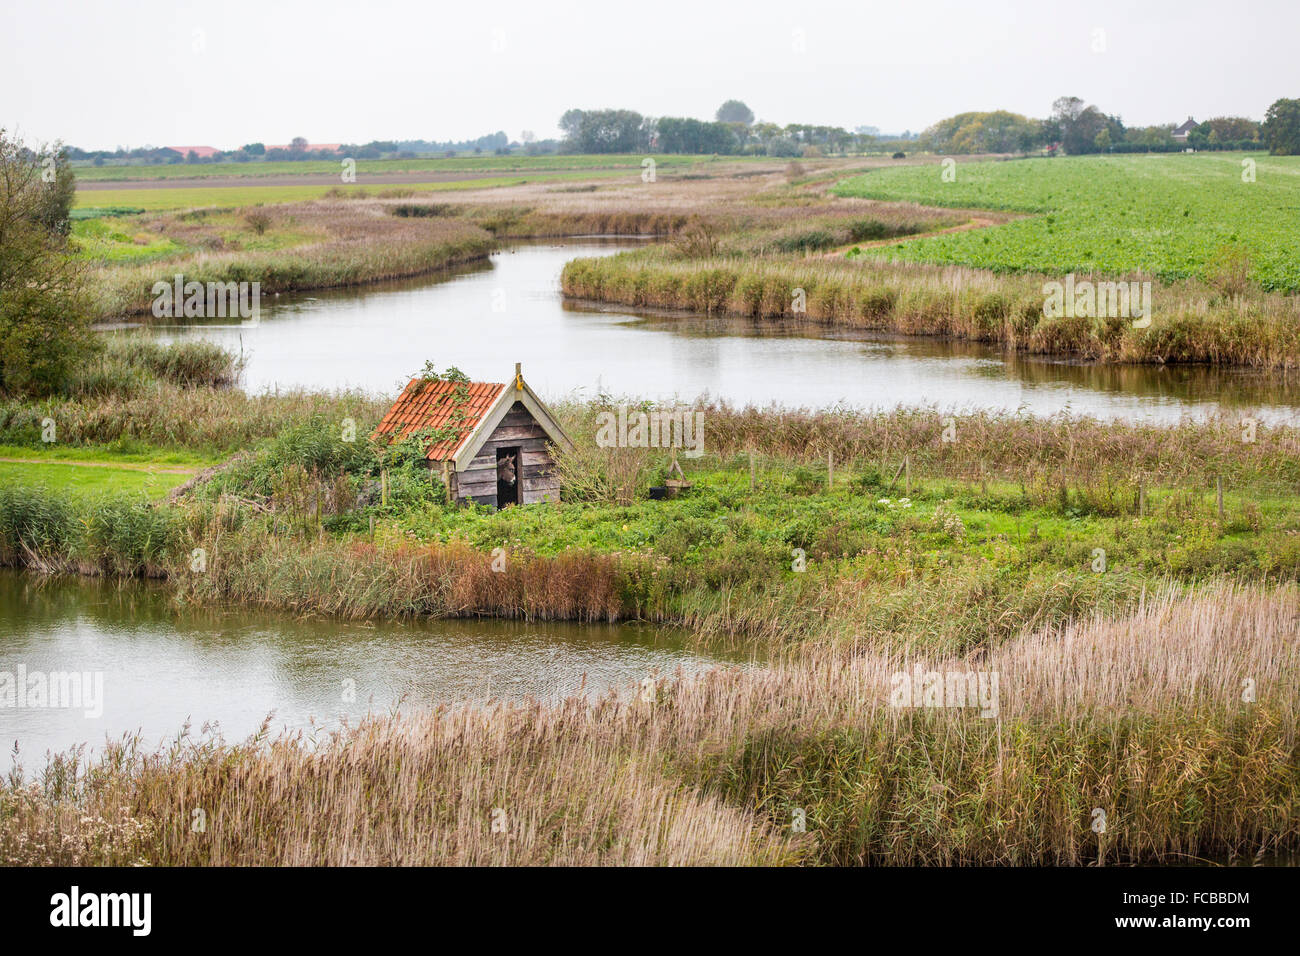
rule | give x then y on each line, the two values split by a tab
161	667
485	317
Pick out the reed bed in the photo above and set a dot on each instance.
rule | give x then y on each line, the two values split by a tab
326	244
129	365
1191	322
1073	447
1143	719
202	419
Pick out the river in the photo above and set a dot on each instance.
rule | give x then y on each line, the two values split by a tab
485	317
159	668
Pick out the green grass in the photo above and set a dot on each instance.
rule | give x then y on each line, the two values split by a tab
386	166
1167	215
165	197
122	467
118	240
124	452
86	481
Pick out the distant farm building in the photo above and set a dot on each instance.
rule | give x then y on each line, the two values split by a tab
1180	132
487	440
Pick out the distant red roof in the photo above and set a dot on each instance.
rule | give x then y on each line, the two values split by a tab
203	152
425	405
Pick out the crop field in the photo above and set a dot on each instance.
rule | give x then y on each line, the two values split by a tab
504	164
196	197
1170	216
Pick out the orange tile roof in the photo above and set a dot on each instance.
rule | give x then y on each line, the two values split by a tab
426	405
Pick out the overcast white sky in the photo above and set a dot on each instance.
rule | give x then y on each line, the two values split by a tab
98	75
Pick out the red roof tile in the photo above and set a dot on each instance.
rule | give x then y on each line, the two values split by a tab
425	405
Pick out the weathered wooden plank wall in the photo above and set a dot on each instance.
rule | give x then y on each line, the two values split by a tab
518	429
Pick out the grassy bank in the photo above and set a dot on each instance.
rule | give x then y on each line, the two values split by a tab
1143	720
286	248
1191	322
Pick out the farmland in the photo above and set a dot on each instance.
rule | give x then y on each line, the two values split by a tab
381	167
187	195
1168	216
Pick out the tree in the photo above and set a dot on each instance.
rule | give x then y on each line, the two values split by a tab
1231	129
605	131
298	143
734	111
52	204
1080	124
255	149
1281	129
685	135
996	132
44	314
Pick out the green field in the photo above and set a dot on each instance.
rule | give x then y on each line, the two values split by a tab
90	481
1167	215
504	164
194	197
101	470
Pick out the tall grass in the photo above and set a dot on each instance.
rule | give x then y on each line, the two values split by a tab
1141	718
128	365
332	244
50	531
201	419
1191	322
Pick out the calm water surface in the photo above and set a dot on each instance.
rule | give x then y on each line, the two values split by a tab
161	668
486	317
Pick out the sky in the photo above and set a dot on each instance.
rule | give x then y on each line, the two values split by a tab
162	72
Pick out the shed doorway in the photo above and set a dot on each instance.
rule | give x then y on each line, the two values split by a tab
508	483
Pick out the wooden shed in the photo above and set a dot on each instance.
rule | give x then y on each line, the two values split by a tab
489	441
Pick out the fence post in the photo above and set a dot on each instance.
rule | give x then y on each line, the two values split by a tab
907	469
1218	490
751	469
830	471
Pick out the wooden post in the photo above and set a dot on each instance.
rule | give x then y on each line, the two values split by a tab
1218	492
383	487
1142	500
372	527
907	468
984	482
751	469
830	471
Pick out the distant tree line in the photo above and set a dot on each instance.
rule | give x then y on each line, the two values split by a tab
1077	128
497	143
731	132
